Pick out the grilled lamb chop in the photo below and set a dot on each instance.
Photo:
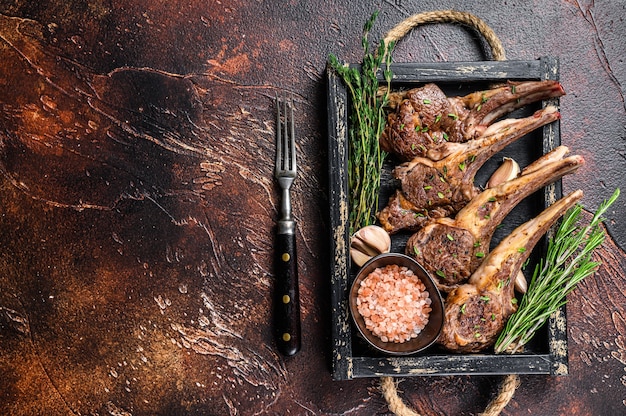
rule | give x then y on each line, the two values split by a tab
452	249
477	311
426	119
434	189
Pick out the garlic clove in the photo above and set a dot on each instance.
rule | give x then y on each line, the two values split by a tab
359	258
509	169
368	242
521	285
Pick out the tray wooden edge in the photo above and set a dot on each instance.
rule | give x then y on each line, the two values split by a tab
344	365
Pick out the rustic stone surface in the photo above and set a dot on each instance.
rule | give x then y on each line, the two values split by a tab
137	203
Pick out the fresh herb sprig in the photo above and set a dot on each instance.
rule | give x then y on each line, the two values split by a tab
367	122
568	261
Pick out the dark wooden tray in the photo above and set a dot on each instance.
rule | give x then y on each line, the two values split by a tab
352	358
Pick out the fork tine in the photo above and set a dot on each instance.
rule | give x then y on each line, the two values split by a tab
292	139
279	139
286	138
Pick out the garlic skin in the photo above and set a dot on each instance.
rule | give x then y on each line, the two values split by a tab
509	169
520	283
368	242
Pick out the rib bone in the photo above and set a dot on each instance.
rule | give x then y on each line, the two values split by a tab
451	249
425	119
477	311
441	188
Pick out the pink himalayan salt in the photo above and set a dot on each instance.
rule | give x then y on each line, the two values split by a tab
394	303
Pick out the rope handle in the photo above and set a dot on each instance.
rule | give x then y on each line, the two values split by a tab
448	16
505	393
512	381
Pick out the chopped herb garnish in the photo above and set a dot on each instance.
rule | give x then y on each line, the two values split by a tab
492	199
485	298
428	188
440	195
480	254
463	308
438	118
453	116
521	250
450	237
426	101
441	274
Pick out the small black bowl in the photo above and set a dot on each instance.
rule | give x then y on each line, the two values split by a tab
431	331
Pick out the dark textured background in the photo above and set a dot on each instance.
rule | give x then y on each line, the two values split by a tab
137	203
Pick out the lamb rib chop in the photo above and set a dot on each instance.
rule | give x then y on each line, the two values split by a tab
426	119
434	189
451	249
477	311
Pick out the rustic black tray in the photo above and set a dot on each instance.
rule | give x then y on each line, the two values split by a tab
352	358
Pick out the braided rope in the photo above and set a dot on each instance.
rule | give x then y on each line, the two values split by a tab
397	406
505	394
448	16
512	381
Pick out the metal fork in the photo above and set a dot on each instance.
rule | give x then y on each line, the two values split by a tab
287	299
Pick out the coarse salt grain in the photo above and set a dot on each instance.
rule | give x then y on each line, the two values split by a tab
394	303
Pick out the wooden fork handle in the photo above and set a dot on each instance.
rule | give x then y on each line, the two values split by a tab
287	299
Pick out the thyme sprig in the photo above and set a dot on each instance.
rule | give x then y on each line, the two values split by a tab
367	122
568	261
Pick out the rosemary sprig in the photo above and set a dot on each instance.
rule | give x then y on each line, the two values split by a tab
568	261
367	122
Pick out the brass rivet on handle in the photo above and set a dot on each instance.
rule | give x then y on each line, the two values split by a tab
286	299
286	336
285	257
